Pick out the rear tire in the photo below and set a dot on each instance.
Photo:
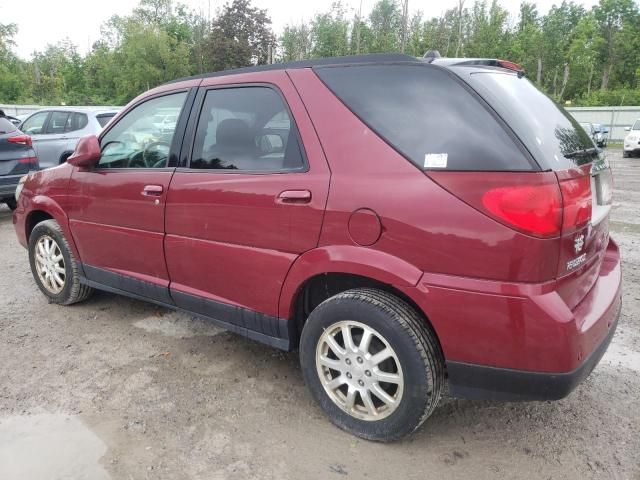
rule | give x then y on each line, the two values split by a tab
11	203
53	266
374	399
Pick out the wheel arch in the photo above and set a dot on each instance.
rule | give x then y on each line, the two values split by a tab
44	208
322	273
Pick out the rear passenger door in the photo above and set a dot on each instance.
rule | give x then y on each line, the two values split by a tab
247	201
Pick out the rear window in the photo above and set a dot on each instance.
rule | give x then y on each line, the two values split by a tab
426	115
554	138
104	118
6	126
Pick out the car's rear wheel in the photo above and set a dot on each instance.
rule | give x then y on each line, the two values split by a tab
53	266
11	203
372	363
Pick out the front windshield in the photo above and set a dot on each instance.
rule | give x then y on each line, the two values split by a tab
636	126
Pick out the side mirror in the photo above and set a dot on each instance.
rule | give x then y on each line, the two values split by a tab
87	152
627	129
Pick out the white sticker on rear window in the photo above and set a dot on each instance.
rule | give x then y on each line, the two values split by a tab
435	160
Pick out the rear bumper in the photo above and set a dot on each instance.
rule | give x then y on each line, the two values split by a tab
520	341
481	382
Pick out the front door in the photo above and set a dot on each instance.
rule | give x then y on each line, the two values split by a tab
117	210
249	202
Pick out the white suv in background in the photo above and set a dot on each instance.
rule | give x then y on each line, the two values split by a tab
632	140
56	131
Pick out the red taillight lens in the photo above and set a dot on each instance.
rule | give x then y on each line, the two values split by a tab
533	209
20	140
576	199
526	201
29	160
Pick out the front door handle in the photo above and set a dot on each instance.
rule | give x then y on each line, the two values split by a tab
295	196
152	190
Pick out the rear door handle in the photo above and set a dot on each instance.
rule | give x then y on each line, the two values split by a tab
152	190
295	196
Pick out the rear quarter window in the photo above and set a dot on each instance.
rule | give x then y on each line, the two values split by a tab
428	116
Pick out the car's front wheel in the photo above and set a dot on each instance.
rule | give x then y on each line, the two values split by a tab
372	363
53	266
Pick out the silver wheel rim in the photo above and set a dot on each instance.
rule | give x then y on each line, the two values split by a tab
50	264
359	370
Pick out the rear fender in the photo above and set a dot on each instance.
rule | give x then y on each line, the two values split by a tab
365	262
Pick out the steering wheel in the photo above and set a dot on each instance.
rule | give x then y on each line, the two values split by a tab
148	155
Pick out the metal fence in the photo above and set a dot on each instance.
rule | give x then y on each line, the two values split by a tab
614	118
16	110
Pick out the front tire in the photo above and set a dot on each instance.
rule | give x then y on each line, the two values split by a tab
372	364
53	266
625	154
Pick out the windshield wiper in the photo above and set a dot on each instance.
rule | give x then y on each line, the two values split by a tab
582	153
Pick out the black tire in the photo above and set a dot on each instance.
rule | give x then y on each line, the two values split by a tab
414	343
73	291
11	203
625	154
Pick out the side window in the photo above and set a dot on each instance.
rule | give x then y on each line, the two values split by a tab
76	121
34	125
246	128
136	141
57	122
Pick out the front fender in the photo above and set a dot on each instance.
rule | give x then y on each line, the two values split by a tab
362	261
42	203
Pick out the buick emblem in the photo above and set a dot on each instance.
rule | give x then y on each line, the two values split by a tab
578	243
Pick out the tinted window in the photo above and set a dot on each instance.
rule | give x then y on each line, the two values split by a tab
426	115
135	142
247	129
550	133
76	121
34	124
57	122
636	126
104	118
6	126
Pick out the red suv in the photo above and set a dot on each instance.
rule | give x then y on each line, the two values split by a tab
403	223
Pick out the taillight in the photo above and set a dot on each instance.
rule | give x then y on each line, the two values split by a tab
532	209
529	202
20	140
576	199
29	161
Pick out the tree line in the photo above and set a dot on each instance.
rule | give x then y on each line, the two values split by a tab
584	56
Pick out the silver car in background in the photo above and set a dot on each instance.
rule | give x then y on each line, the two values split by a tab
56	131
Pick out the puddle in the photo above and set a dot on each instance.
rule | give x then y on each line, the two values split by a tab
621	356
178	325
49	447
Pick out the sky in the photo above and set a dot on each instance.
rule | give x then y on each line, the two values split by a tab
48	21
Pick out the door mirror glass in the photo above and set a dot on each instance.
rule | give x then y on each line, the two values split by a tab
87	152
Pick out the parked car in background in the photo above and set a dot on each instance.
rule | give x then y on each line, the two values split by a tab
55	132
15	120
632	140
601	134
329	206
590	129
16	159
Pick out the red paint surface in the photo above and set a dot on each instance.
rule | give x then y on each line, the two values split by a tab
493	295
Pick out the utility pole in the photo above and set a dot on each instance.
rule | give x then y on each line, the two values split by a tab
405	21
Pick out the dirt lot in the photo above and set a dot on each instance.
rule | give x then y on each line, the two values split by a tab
116	388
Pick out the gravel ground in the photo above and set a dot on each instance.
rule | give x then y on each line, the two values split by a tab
116	388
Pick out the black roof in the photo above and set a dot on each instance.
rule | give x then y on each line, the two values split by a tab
318	62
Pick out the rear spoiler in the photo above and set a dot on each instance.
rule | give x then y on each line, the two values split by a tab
433	56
